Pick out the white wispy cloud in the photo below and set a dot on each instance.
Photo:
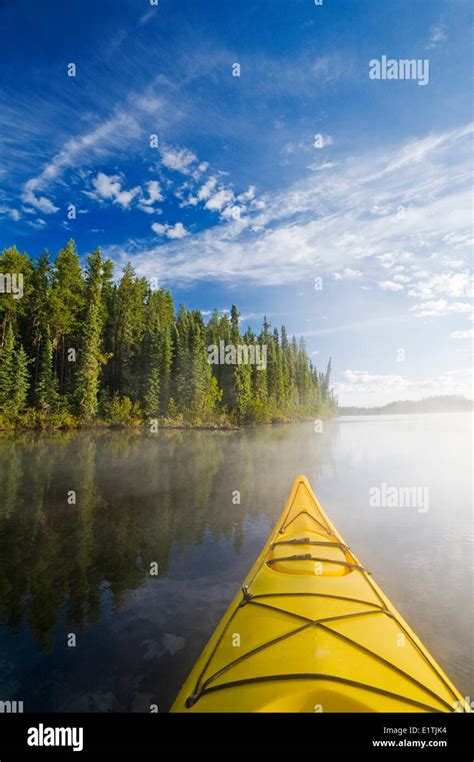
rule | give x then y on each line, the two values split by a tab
452	284
328	68
37	223
390	285
217	197
146	17
369	389
11	212
110	188
347	274
248	195
174	232
178	159
206	190
219	200
438	35
468	334
439	307
459	240
315	167
30	196
110	133
309	144
325	224
154	195
401	278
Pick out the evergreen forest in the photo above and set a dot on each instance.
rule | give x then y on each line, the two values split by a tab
81	347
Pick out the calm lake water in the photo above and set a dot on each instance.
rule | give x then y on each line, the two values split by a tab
167	498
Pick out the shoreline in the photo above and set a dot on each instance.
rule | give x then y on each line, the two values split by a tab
141	426
167	424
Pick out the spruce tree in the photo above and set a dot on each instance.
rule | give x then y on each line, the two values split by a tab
286	376
234	325
40	310
88	373
46	393
14	311
243	392
225	373
129	330
7	368
166	359
236	341
203	391
22	380
67	305
212	329
153	391
181	391
303	378
326	381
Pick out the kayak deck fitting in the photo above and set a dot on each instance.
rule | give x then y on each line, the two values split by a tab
310	631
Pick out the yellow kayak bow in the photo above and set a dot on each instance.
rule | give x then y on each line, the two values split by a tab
310	631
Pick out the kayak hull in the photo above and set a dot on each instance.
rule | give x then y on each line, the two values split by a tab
310	631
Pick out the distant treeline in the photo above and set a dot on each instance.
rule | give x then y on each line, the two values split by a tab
450	403
78	348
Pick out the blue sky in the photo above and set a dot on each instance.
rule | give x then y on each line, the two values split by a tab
359	239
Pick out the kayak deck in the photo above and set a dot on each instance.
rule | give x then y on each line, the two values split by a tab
310	631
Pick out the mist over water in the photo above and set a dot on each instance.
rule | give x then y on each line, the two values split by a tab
167	498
